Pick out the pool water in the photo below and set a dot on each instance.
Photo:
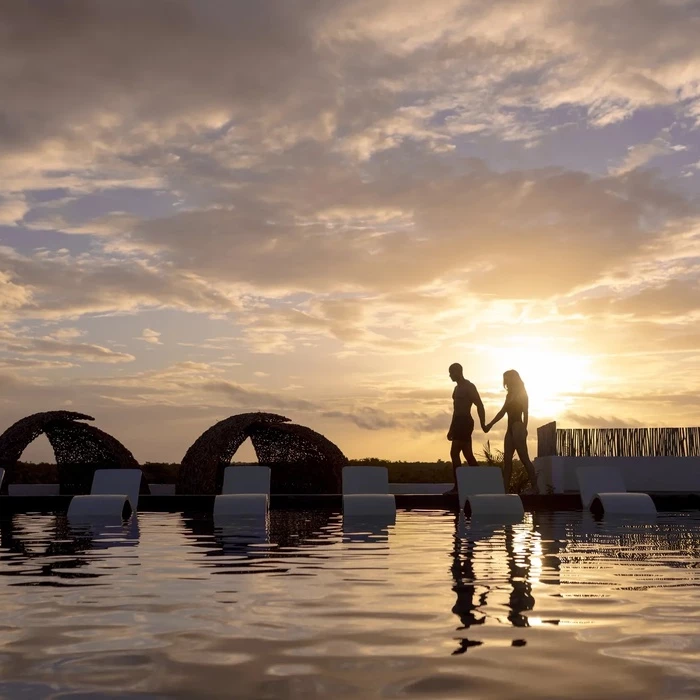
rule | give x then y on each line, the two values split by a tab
171	606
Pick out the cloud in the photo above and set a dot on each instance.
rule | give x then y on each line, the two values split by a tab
150	336
677	298
19	363
50	346
592	421
375	419
642	153
491	229
12	210
366	418
357	76
57	285
252	398
369	183
67	333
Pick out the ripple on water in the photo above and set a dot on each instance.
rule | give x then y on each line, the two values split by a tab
174	606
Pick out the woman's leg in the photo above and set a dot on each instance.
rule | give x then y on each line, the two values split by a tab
520	443
508	449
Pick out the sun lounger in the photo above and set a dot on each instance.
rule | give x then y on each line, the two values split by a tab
481	495
366	492
603	491
245	492
368	507
114	494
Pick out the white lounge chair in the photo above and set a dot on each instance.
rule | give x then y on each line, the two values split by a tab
368	507
114	494
366	492
481	495
245	492
603	491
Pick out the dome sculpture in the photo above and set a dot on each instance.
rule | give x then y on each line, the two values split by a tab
79	448
301	460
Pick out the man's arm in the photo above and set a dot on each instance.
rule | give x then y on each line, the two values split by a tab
476	400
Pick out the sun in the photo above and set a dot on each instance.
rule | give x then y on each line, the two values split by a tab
551	376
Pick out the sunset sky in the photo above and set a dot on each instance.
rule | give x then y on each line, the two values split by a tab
313	207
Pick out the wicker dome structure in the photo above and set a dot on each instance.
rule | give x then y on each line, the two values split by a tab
79	448
301	460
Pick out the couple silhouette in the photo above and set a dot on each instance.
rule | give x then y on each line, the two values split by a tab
464	397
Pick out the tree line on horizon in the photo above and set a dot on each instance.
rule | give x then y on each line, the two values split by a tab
400	471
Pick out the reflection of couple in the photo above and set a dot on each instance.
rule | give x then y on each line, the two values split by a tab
473	591
516	407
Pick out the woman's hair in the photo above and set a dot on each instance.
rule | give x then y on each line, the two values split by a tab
512	381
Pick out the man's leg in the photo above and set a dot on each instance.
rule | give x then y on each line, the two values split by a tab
469	453
455	449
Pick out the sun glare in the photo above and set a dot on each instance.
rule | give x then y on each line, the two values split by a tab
550	375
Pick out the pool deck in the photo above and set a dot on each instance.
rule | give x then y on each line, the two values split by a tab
334	502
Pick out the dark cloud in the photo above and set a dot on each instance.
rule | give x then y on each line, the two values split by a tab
59	286
366	418
79	60
374	419
254	398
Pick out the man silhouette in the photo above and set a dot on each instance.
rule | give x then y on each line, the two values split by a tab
460	434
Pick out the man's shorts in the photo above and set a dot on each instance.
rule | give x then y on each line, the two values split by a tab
462	432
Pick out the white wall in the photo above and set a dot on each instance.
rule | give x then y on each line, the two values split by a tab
648	474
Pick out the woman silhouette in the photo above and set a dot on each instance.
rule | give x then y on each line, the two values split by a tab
516	406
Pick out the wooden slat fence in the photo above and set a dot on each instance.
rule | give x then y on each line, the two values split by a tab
617	442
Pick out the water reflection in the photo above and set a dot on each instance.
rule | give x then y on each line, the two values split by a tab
239	541
242	533
519	557
367	528
329	615
521	550
469	599
554	549
49	546
96	535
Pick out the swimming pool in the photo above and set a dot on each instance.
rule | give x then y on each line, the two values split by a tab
170	606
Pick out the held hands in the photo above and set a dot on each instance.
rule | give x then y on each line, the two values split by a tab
486	427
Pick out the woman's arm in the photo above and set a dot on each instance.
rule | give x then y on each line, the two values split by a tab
497	417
